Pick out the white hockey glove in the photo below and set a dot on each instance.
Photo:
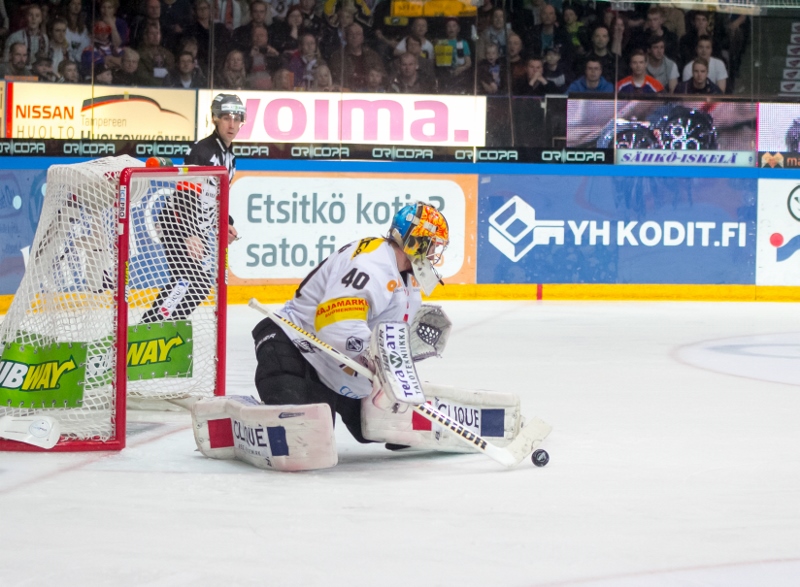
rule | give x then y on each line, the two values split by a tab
396	385
429	332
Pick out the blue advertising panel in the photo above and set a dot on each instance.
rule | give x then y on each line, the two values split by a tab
21	197
622	229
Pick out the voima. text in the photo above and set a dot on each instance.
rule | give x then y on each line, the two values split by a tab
394	120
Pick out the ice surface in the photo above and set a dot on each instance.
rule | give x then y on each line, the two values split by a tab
675	460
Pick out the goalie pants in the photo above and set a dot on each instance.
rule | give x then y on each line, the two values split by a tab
189	285
283	376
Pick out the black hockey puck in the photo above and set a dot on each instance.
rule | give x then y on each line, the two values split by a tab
540	457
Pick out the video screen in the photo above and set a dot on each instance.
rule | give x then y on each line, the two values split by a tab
779	128
661	124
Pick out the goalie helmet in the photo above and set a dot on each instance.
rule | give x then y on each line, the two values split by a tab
422	233
227	104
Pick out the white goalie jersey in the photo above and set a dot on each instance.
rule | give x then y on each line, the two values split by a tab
342	300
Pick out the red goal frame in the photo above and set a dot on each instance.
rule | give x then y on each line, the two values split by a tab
122	204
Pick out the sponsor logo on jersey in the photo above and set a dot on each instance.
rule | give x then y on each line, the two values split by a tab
340	309
354	344
347	392
393	285
367	245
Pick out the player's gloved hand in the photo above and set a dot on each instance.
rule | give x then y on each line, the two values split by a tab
233	234
366	359
381	396
430	331
396	385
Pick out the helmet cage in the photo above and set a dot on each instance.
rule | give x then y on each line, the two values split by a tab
428	247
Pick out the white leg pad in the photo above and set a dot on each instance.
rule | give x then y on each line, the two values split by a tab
493	415
282	438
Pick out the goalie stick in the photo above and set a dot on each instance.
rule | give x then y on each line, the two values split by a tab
531	435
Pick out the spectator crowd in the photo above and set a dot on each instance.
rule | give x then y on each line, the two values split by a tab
527	48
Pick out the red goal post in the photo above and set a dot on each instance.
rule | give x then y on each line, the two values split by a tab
124	295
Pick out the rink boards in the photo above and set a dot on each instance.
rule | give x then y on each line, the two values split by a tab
517	231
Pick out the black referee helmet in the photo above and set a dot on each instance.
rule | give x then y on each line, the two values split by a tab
227	104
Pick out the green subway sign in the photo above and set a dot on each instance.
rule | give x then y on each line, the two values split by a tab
33	376
161	349
39	376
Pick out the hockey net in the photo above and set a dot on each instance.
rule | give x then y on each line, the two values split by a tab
124	291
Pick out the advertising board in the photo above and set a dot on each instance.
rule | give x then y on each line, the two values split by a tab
99	112
778	261
176	150
290	222
644	230
379	119
21	199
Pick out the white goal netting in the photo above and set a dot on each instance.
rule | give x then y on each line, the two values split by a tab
61	336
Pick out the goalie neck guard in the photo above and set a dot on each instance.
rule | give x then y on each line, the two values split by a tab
422	233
